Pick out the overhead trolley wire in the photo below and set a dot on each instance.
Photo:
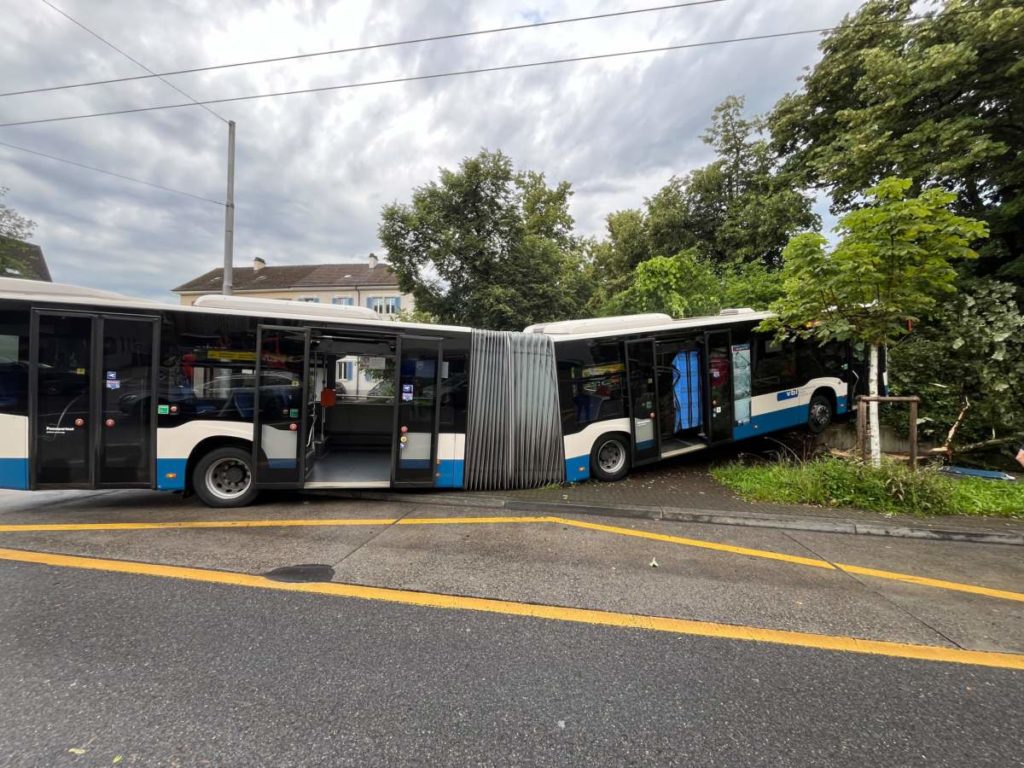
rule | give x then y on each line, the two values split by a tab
435	76
358	48
110	173
135	61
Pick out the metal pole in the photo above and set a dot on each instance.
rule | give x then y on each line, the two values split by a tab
862	420
913	434
229	216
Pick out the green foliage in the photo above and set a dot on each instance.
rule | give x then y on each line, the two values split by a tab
488	246
15	226
890	488
12	223
892	264
939	100
687	285
681	286
967	359
749	284
732	212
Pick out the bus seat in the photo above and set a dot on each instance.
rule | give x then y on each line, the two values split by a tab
328	397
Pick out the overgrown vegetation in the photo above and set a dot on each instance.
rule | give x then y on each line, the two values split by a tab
890	488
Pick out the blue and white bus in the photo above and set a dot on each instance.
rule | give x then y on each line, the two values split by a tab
635	390
235	394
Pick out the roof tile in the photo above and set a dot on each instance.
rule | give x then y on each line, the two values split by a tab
341	275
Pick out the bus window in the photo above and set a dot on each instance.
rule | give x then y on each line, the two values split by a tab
14	363
591	381
207	369
775	366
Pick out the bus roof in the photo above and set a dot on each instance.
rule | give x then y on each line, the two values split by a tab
571	330
312	314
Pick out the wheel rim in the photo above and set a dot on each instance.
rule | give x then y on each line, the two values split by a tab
228	478
821	414
611	457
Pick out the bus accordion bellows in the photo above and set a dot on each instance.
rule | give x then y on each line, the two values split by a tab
234	394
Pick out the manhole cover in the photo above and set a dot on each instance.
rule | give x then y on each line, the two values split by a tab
307	572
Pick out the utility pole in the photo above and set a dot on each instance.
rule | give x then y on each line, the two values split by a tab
229	215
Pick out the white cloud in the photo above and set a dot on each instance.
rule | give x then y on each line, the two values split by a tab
314	170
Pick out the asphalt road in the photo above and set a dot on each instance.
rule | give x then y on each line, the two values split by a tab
115	668
169	673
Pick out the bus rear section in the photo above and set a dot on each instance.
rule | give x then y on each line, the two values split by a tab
635	390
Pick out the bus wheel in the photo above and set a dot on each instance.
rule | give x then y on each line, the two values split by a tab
819	414
609	459
224	478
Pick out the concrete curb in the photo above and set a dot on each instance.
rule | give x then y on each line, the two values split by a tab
708	516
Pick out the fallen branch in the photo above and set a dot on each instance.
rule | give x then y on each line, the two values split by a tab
946	446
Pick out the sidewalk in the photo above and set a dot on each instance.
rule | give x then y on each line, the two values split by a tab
684	491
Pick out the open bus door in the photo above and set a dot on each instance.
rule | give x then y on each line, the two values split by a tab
280	403
719	409
92	400
417	412
642	383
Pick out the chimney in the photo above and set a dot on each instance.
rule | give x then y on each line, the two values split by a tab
258	263
373	260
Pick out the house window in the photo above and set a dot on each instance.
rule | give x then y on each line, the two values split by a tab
346	370
385	305
344	301
308	299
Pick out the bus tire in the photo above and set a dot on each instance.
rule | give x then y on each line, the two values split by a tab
609	458
819	413
224	478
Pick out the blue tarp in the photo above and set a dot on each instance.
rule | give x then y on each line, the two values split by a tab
686	389
986	474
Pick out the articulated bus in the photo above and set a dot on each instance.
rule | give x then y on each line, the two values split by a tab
235	394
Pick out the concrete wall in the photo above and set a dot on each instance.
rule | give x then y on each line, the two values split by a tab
843	437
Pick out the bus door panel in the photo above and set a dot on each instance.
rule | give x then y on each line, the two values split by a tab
281	403
643	400
92	381
62	382
125	383
417	411
720	388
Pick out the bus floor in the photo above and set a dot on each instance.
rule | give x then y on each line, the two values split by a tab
676	446
342	468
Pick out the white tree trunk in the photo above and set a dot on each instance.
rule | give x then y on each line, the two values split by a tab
873	434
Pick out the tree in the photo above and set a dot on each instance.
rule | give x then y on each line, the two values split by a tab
967	364
737	209
12	223
18	228
488	246
681	286
686	285
891	266
938	99
622	251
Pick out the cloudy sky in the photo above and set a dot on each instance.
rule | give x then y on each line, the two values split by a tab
314	170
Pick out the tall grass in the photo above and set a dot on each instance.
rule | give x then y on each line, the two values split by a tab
890	489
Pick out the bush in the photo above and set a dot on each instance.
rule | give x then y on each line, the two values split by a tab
891	488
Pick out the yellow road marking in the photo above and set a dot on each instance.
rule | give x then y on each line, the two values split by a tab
908	578
550	612
763	554
923	581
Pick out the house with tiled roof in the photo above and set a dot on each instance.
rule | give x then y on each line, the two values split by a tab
373	284
22	260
